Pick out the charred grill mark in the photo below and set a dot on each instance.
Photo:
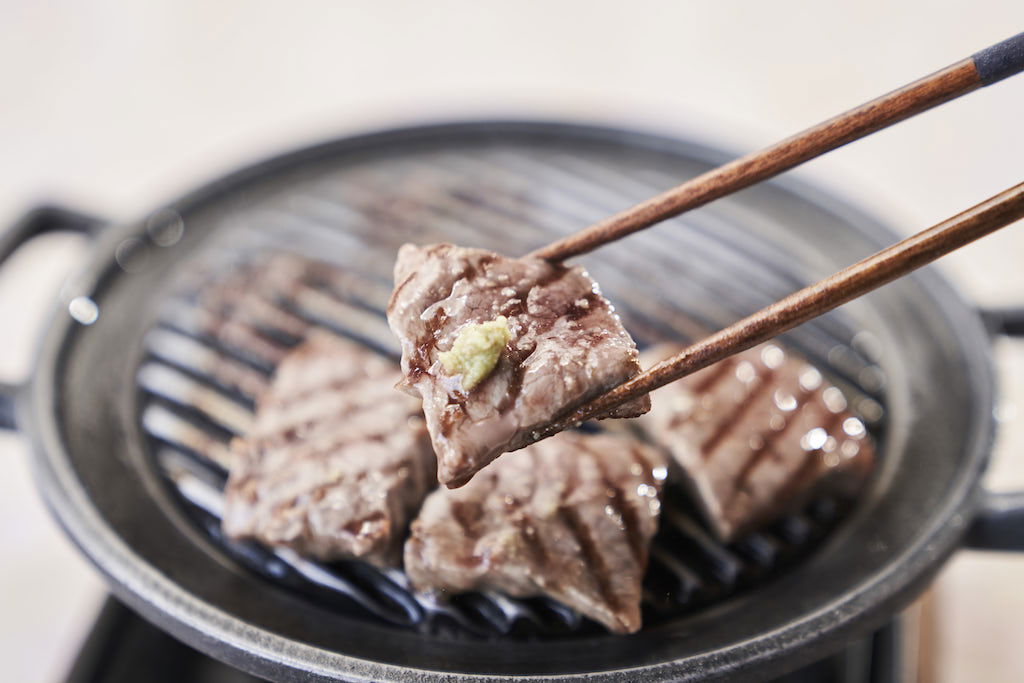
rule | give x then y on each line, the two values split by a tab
319	492
255	303
420	361
627	513
288	436
398	289
713	376
811	461
592	558
636	542
245	339
554	275
269	313
524	524
309	393
472	271
345	410
725	426
620	505
485	261
531	540
515	383
768	440
467	515
645	467
577	312
325	385
452	415
353	286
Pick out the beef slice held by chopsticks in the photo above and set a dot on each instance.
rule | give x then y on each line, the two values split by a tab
337	462
757	436
498	347
570	517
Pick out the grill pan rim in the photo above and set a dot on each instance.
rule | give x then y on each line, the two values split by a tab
168	605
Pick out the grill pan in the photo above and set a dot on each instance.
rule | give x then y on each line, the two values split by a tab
127	399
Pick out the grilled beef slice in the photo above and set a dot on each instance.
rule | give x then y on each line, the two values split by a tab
247	310
337	461
567	346
569	517
758	435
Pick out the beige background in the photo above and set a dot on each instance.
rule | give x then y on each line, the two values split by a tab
113	107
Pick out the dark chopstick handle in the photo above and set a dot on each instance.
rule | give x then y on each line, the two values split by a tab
984	68
848	284
1000	61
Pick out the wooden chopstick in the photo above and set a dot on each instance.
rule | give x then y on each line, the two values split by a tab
983	68
810	302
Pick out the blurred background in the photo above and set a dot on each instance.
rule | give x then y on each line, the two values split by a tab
114	107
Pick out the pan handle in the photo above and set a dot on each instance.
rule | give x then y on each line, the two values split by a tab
38	221
8	392
1000	522
1007	322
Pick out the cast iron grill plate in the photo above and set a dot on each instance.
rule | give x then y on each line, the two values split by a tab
197	393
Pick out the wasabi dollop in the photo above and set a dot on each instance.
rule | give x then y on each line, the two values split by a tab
476	351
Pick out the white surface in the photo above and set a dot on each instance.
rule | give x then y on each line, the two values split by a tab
117	106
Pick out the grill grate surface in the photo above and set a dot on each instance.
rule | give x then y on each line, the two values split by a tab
198	391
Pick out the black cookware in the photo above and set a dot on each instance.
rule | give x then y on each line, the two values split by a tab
914	354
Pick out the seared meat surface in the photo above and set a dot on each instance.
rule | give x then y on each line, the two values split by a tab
758	435
248	309
569	517
337	461
566	347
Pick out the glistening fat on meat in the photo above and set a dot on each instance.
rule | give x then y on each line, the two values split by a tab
565	346
758	435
